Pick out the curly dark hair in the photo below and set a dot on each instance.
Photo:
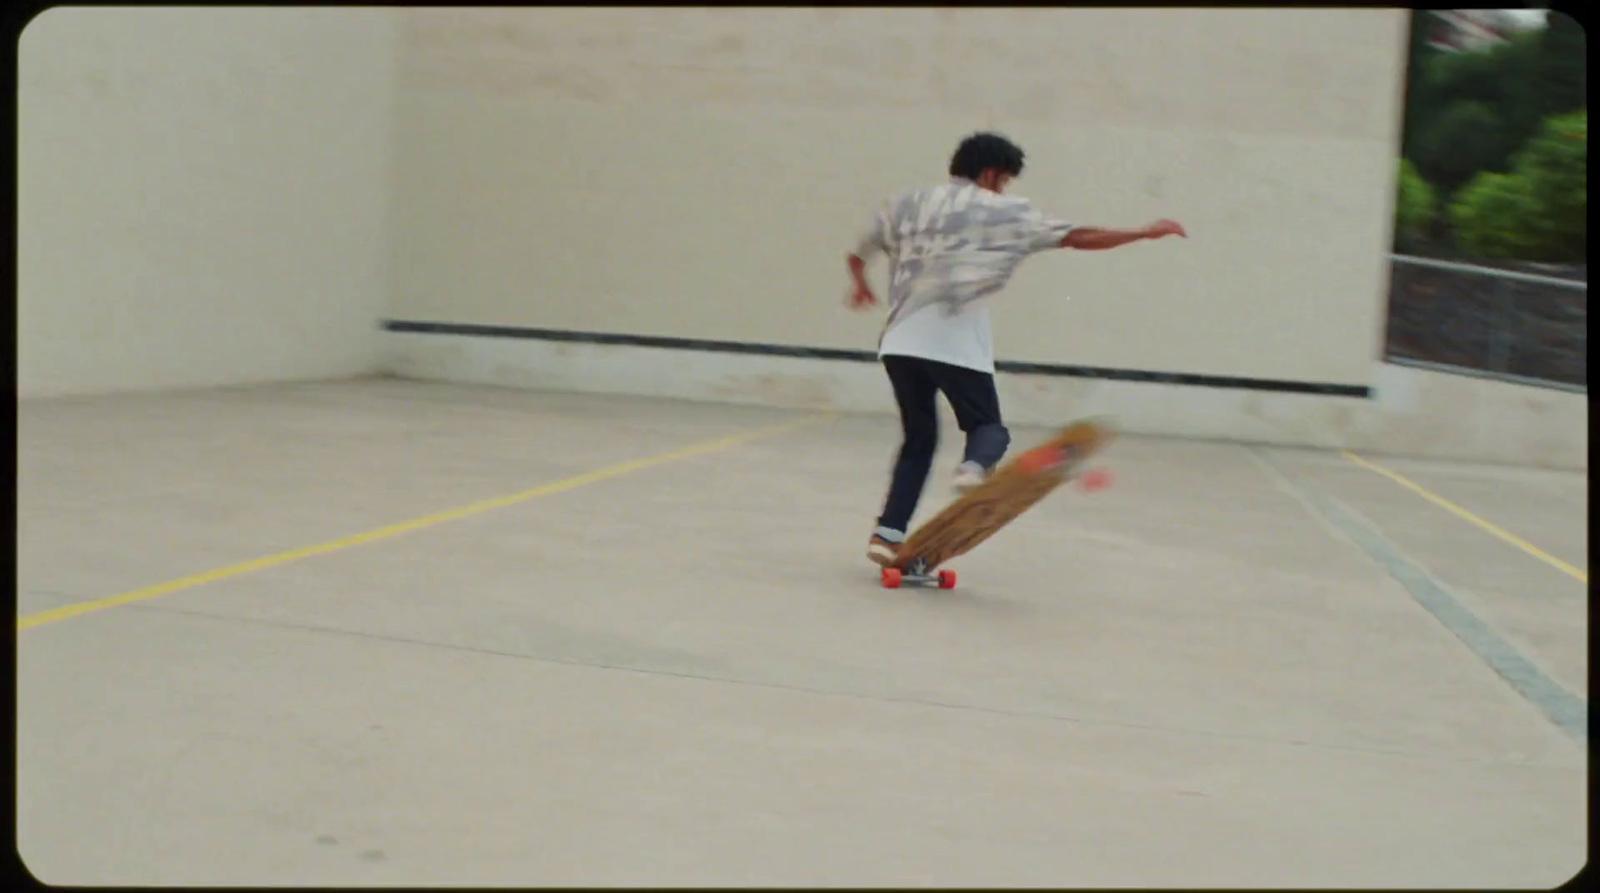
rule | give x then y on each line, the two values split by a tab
986	151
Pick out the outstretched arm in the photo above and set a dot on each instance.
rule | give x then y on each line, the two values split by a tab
1098	238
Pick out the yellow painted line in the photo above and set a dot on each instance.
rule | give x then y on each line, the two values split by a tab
1465	515
393	530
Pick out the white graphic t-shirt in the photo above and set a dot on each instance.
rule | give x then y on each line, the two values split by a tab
951	246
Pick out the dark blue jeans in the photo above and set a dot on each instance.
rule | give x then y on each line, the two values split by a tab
917	386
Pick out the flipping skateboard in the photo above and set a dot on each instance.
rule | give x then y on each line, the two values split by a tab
981	512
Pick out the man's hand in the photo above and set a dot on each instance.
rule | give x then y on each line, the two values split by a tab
861	296
1163	228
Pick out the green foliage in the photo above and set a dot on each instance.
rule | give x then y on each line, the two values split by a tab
1415	207
1491	216
1501	134
1417	53
1470	75
1466	137
1520	101
1556	167
1563	82
1469	112
1538	211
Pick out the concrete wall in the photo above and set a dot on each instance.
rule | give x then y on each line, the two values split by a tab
205	199
701	173
1410	411
202	195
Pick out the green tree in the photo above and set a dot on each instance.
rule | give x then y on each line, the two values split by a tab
1518	99
1415	207
1469	112
1466	137
1491	216
1416	94
1555	165
1563	65
1538	211
1450	76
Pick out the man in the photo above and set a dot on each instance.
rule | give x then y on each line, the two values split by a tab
950	247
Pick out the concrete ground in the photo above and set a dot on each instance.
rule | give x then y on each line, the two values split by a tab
1236	667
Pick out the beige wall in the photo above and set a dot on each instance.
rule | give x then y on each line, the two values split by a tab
203	195
701	173
1412	412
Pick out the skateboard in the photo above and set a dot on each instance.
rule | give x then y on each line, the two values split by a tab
979	514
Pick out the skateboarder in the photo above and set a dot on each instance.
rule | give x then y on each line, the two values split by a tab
950	247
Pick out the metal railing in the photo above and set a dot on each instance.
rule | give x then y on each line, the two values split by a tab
1520	327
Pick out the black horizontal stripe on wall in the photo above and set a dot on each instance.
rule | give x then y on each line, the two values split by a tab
867	356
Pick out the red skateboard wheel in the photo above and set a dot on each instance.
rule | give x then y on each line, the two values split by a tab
891	578
1037	460
1096	479
947	579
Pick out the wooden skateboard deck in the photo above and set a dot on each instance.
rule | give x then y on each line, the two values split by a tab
979	514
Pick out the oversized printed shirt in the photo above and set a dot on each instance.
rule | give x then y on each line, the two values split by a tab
950	246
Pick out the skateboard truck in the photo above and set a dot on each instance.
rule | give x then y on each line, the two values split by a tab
916	574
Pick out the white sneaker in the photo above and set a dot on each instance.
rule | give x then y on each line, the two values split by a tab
882	550
968	475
